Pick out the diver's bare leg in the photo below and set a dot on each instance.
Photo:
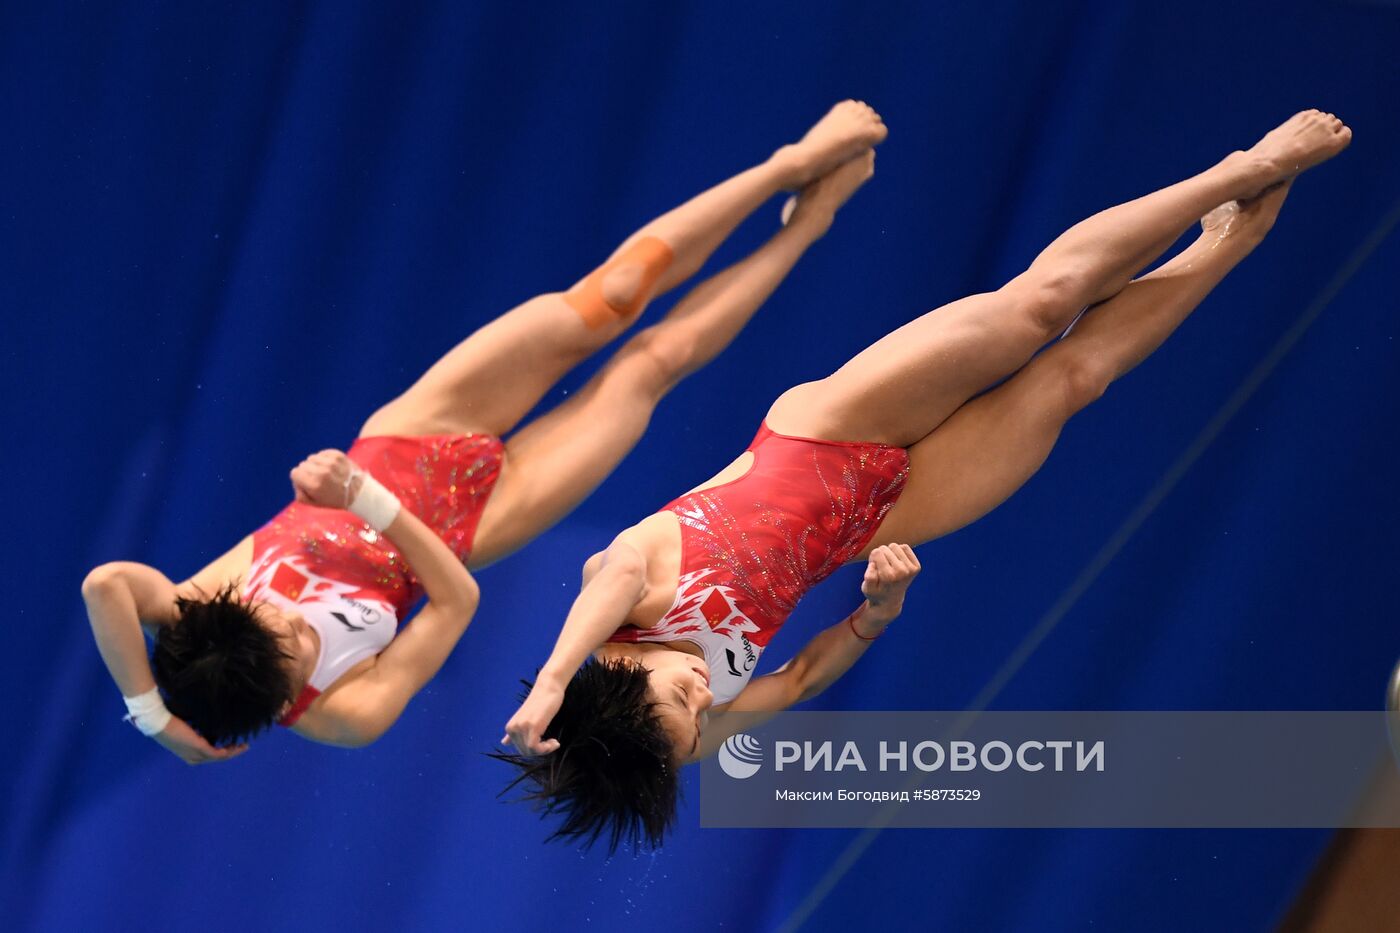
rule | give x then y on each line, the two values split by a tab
554	462
487	383
906	384
992	445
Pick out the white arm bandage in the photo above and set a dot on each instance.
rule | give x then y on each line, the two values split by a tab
147	712
375	504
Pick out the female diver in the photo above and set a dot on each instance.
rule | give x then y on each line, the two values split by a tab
896	446
300	621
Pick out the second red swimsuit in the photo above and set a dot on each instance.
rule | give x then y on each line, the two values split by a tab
752	547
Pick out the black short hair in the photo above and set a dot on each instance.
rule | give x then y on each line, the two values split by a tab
221	669
615	771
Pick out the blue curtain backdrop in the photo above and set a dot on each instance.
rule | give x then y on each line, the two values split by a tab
227	232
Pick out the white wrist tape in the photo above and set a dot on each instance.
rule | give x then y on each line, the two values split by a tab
147	712
375	504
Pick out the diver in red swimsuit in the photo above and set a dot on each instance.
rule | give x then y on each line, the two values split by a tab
920	434
751	547
302	621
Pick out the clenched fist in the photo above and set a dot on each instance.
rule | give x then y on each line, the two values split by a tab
891	569
328	479
526	728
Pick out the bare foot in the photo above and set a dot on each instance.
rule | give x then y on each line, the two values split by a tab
848	128
816	205
1304	140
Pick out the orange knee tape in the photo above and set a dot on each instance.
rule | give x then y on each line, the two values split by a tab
649	254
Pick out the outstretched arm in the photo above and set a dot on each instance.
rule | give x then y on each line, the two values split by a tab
359	711
824	659
598	612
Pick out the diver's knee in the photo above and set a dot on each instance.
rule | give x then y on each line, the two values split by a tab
619	289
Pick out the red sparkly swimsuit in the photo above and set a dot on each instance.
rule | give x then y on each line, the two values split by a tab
751	548
348	581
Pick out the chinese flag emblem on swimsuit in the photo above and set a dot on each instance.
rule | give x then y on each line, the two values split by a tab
715	608
289	581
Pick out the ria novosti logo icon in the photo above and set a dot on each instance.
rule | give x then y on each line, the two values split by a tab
740	756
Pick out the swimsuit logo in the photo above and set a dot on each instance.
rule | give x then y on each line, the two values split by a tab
749	657
340	617
740	756
368	614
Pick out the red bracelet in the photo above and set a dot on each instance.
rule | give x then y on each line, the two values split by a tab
851	621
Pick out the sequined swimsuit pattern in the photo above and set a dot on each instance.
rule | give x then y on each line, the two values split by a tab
753	547
349	581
